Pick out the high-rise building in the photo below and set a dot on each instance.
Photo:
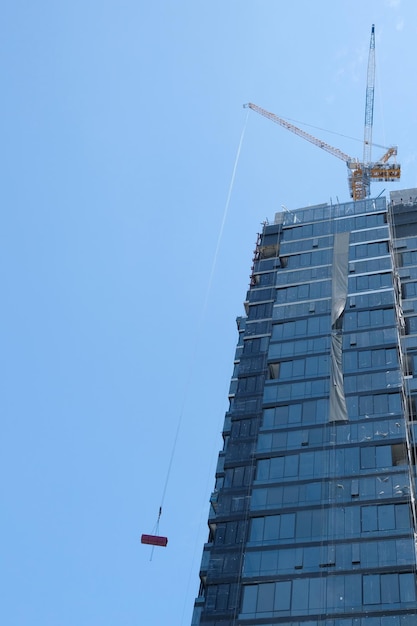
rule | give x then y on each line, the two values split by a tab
312	520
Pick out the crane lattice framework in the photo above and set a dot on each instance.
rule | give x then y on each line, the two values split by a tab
360	173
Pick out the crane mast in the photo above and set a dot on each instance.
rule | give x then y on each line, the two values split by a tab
360	174
369	105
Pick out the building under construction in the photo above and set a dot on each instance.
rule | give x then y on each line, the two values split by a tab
312	518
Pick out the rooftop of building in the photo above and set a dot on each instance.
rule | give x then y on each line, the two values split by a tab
403	200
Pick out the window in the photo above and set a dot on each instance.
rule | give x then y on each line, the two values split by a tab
385	517
375	456
221	597
399	454
370	282
250	596
305	275
273	370
359	320
295	390
373	405
373	381
250	384
265	601
312	290
369	250
369	266
237	477
259	311
271	528
266	598
367	359
388	588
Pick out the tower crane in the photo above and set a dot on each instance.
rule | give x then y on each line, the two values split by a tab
360	173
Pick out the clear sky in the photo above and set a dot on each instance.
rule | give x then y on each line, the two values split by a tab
120	123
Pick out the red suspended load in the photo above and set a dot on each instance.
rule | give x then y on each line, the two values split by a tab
154	540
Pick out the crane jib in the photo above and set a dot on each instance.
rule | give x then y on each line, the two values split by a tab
360	173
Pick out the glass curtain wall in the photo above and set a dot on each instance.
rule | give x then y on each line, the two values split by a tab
312	516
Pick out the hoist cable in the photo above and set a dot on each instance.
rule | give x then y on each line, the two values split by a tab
332	132
202	316
210	281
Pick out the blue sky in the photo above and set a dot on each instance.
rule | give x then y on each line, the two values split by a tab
120	127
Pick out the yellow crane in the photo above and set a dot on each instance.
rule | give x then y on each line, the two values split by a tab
360	173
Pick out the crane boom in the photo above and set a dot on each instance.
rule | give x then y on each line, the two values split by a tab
369	104
301	133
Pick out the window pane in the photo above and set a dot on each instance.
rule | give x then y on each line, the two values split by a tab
265	598
250	595
257	526
383	456
386	517
282	596
269	562
402	516
276	467
252	563
389	588
369	518
367	458
287	526
407	587
272	526
371	589
304	523
291	465
317	595
299	594
263	469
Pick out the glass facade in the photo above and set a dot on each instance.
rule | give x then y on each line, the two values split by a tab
312	519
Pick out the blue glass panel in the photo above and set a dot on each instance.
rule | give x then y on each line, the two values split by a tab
386	517
287	526
265	602
387	552
250	596
269	562
303	526
252	563
369	554
286	560
383	456
299	595
274	496
390	592
257	529
259	498
369	521
272	527
317	594
402	516
371	589
307	464
277	467
291	465
407	587
262	472
353	591
282	596
295	413
313	492
335	592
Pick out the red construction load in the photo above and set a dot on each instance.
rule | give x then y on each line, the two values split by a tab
154	540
